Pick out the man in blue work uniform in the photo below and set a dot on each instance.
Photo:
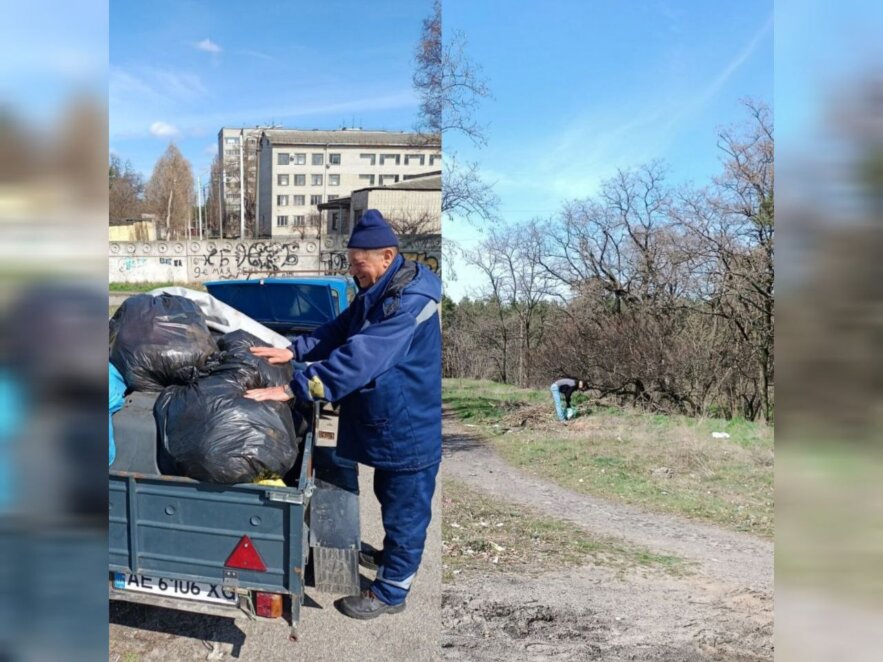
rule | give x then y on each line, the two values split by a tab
381	360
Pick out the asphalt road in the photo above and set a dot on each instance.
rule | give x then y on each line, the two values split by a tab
150	633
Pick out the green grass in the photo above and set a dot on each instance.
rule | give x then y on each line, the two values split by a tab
484	535
147	287
665	463
485	401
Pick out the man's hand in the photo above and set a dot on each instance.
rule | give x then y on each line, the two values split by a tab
275	393
273	354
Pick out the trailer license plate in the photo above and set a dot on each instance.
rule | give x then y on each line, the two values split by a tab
174	588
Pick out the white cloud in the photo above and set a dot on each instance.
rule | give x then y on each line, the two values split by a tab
162	129
208	46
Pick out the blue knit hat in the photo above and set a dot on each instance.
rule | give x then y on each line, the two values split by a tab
372	231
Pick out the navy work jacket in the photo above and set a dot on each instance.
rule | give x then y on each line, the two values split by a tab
381	360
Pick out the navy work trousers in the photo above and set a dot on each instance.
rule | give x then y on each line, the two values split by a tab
406	508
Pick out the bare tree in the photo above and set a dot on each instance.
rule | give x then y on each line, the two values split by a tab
464	193
212	200
125	197
500	336
734	222
170	192
405	223
518	288
451	87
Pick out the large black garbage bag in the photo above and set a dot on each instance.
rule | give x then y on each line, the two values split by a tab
235	348
156	341
215	434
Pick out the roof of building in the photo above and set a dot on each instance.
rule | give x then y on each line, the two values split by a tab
430	181
335	204
416	184
348	137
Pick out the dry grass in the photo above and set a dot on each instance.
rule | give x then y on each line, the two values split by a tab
667	463
484	535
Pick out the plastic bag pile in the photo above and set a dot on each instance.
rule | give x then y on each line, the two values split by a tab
206	425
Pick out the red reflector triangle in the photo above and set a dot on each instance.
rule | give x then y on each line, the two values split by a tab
246	557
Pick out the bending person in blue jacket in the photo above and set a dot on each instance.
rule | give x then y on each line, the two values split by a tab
381	360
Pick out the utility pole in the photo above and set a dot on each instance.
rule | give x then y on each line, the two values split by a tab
241	188
199	203
220	214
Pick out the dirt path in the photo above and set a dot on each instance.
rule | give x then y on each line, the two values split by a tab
723	610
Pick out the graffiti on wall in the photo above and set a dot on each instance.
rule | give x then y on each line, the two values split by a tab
430	261
132	263
338	263
183	262
243	259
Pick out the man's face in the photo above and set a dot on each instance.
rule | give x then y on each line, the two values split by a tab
367	266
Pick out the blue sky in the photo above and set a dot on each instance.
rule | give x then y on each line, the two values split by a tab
582	88
180	70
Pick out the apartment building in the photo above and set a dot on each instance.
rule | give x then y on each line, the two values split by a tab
300	170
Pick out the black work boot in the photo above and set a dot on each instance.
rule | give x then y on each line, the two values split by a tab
366	606
369	557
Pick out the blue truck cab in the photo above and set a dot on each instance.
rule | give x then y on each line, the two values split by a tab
238	550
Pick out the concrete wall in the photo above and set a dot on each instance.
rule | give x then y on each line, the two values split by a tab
194	261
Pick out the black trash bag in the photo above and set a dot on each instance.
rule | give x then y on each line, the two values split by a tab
215	434
235	347
157	341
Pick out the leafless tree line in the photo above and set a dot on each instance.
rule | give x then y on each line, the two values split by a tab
659	296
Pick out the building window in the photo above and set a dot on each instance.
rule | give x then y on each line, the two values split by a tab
300	159
318	159
231	141
282	180
388	179
415	159
335	221
333	197
298	219
370	158
368	179
433	158
300	180
385	158
282	200
283	158
315	200
333	180
334	159
281	221
316	180
297	200
230	153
